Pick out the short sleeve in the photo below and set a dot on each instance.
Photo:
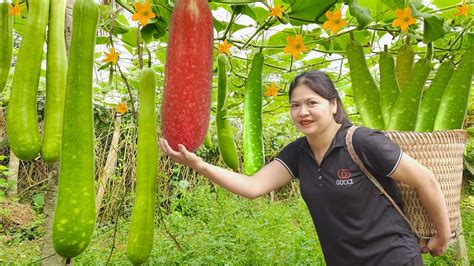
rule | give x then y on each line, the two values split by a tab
288	156
380	154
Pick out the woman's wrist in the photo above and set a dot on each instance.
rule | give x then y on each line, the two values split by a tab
444	236
200	166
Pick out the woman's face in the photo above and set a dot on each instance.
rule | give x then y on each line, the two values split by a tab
311	113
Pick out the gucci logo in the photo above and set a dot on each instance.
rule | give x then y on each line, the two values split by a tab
343	173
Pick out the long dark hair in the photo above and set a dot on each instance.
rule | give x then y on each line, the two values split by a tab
321	84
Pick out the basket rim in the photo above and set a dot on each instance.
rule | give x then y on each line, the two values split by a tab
459	134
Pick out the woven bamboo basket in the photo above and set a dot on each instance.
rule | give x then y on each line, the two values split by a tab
442	152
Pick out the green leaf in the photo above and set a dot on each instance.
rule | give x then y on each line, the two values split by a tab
443	3
102	40
219	26
164	10
394	4
38	200
154	30
237	9
130	37
161	26
279	38
434	28
237	27
259	14
235	2
362	14
378	10
470	38
120	25
308	11
246	10
104	66
147	32
362	37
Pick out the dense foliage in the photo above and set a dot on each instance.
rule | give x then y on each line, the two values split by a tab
196	222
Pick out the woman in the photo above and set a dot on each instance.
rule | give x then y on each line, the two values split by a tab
355	224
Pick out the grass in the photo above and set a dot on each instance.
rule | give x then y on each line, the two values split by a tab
220	228
215	227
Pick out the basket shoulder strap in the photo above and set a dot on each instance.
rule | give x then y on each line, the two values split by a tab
360	164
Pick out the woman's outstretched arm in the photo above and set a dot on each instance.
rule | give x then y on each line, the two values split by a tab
270	177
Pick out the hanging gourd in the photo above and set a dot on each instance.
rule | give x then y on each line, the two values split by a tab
254	157
74	217
56	71
225	131
188	75
22	117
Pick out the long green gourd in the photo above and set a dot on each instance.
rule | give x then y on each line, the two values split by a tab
366	93
140	236
74	217
225	134
252	135
431	99
404	66
405	110
389	90
56	71
454	102
22	117
208	140
6	43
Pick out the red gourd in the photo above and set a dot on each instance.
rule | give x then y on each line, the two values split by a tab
188	75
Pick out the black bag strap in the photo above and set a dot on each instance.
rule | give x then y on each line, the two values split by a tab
360	164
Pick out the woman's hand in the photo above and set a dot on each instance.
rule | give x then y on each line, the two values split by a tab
436	246
183	156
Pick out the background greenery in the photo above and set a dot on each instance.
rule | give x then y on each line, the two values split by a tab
197	222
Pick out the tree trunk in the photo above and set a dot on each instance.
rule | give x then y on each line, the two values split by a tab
49	256
13	167
110	164
3	132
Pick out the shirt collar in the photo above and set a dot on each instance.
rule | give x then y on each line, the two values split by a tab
341	133
338	141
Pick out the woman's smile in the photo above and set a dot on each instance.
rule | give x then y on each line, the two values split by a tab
306	122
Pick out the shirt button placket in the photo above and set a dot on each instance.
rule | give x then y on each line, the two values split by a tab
320	178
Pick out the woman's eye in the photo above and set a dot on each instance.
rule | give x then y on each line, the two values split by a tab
312	103
294	105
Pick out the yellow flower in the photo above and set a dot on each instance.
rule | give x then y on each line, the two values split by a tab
143	13
295	46
122	108
224	47
463	10
112	56
404	19
15	10
276	11
334	21
271	90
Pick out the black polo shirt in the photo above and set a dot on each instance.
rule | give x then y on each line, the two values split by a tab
356	225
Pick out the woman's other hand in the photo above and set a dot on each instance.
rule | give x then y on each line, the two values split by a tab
436	246
182	156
